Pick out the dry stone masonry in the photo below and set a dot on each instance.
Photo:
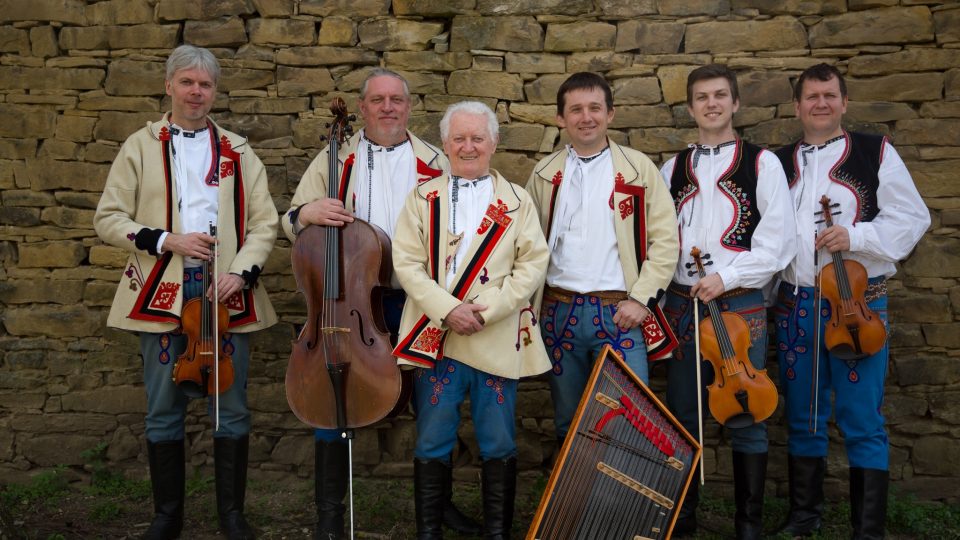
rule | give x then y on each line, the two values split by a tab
78	76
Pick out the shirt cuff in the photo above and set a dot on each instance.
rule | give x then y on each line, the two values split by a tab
163	236
730	277
856	238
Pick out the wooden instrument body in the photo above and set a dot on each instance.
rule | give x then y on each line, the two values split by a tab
194	368
624	467
854	331
740	395
372	381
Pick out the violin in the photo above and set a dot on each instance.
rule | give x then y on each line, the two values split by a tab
740	395
204	369
342	373
854	331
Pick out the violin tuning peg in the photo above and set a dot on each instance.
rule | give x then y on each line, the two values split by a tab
352	118
819	221
835	205
691	273
688	265
706	257
708	263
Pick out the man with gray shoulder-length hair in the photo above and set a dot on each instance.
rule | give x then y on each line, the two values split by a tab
171	180
470	254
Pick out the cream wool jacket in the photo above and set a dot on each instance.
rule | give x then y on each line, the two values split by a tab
313	185
645	223
139	202
504	266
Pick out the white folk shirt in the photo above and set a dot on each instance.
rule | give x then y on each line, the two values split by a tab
876	244
583	241
469	200
385	176
705	217
198	202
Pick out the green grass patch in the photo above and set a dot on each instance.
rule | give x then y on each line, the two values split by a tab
45	488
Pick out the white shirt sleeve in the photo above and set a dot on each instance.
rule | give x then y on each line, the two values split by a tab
903	216
772	246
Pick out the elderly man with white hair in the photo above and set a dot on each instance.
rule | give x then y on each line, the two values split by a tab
470	253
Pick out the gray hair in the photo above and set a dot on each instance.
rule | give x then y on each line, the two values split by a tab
470	107
189	57
383	72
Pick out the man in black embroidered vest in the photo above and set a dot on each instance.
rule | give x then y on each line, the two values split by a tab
170	180
878	218
733	205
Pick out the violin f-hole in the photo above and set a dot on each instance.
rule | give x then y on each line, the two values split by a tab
363	336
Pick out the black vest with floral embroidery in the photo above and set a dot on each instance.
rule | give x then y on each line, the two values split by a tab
857	170
738	183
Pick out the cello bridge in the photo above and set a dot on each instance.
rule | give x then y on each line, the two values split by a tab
334	330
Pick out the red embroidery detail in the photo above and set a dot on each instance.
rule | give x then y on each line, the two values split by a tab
610	202
226	169
619	179
225	145
652	331
426	170
164	134
626	208
498	213
557	178
235	302
428	340
484	225
432	196
166	294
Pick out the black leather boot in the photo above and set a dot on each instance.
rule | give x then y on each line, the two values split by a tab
806	495
230	472
429	494
868	502
453	518
330	479
498	486
749	473
167	481
686	524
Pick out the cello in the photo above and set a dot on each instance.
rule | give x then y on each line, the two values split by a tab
740	395
342	373
854	331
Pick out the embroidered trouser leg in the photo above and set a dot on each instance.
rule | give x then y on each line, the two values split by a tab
167	403
438	393
857	384
574	333
681	369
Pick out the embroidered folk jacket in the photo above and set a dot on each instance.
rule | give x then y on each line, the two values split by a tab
139	203
505	264
313	185
646	227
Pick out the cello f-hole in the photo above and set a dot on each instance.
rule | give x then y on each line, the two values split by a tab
363	336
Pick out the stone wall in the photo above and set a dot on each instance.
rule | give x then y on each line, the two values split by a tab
78	76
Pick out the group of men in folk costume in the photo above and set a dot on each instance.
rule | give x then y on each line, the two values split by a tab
494	282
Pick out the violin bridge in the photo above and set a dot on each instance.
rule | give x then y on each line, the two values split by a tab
619	476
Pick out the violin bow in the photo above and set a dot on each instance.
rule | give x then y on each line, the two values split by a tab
696	340
216	330
815	369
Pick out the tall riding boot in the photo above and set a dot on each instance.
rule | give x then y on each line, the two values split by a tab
868	502
749	473
806	495
452	516
230	472
498	486
330	479
166	479
686	524
428	495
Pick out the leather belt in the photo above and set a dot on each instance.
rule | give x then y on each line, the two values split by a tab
684	291
606	298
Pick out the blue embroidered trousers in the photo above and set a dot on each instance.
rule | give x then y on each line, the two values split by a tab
856	385
574	333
